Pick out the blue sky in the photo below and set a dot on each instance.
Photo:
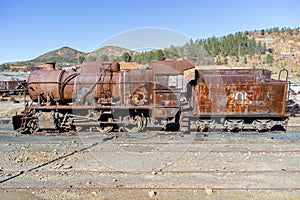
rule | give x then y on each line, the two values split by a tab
29	28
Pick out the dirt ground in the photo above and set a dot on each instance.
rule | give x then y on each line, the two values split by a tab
148	165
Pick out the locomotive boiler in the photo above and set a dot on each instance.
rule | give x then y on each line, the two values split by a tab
102	97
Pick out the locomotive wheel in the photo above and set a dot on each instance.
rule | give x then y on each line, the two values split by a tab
262	125
234	125
134	125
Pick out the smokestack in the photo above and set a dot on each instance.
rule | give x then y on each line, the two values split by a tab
50	65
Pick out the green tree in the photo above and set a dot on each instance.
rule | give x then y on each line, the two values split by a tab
218	61
90	58
237	58
126	57
291	32
198	54
159	54
103	58
149	56
225	61
270	59
80	59
4	67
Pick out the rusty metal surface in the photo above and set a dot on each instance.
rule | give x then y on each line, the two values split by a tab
57	85
232	75
138	76
137	87
97	83
108	87
167	92
12	86
238	92
46	120
240	99
171	66
96	68
167	98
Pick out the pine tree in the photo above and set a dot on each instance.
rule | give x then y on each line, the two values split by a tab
126	57
159	54
103	58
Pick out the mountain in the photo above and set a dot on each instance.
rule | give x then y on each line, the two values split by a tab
62	55
112	52
67	56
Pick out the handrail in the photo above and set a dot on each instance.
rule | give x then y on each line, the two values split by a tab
287	74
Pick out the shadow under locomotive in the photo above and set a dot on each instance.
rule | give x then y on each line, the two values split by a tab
102	97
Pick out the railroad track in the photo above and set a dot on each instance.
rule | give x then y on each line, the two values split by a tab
131	180
235	165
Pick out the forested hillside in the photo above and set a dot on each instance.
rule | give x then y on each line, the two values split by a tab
260	48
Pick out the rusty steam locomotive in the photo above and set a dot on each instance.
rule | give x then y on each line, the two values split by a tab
103	97
11	87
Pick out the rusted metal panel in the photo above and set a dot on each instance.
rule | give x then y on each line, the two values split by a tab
167	82
171	66
46	120
167	93
121	87
169	98
97	83
240	99
3	86
165	112
166	104
232	75
137	87
12	86
95	68
138	76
